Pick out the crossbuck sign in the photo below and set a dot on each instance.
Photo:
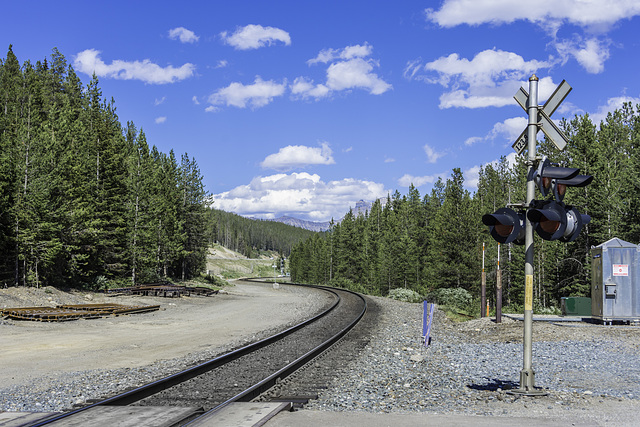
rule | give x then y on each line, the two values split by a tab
544	121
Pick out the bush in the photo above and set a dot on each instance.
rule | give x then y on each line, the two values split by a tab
457	298
342	283
215	281
406	295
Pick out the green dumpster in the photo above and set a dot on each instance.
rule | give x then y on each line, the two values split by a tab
576	306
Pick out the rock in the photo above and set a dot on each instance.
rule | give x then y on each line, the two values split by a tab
417	358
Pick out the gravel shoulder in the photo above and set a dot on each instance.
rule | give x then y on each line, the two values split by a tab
591	372
54	365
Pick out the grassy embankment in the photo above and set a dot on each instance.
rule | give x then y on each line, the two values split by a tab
232	265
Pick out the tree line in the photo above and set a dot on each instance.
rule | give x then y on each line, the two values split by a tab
431	242
250	236
84	200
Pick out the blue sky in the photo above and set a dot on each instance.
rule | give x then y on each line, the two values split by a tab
302	108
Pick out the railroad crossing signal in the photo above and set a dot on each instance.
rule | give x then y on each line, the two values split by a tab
555	221
544	121
506	225
552	219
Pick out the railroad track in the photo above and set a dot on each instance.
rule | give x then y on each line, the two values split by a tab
195	396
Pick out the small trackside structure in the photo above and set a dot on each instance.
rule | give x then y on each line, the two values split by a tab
615	282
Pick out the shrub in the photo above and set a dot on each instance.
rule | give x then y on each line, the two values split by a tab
342	283
457	298
406	295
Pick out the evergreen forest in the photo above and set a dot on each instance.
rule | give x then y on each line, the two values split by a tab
432	242
250	236
84	200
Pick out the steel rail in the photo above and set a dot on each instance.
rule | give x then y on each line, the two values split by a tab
259	388
155	387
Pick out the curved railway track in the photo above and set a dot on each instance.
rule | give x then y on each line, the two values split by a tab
238	376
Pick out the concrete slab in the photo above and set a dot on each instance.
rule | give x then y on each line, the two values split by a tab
309	418
242	414
17	419
128	416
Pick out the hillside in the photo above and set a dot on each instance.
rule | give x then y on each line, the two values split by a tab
249	236
230	264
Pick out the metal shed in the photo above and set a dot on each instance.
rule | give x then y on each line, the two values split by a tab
615	288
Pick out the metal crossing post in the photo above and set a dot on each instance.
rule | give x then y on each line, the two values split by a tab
527	375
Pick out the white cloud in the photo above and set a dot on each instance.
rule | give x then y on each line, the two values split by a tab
418	181
432	155
472	175
184	35
89	62
159	101
255	36
348	69
612	104
160	120
195	100
295	156
472	140
256	95
222	63
510	128
591	54
355	73
305	88
549	14
487	80
349	52
301	195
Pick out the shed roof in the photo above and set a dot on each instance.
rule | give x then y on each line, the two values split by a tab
616	243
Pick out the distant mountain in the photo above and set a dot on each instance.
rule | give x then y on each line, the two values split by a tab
307	225
361	208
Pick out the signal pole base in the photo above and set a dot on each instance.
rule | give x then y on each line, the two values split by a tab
527	387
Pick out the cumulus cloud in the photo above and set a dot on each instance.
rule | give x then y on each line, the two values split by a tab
305	88
296	156
302	195
355	73
349	52
612	104
483	70
256	95
489	79
255	36
349	68
472	174
593	16
89	62
419	181
184	35
432	155
591	54
160	120
549	14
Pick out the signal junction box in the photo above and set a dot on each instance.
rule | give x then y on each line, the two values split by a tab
615	284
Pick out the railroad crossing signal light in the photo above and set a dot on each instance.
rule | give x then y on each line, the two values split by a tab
555	221
506	225
555	180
